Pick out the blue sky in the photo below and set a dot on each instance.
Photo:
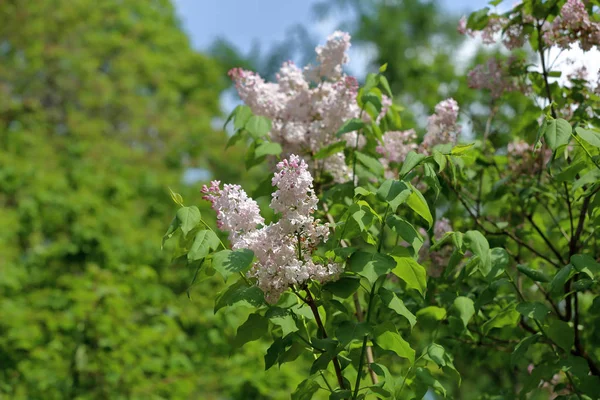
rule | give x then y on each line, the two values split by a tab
265	21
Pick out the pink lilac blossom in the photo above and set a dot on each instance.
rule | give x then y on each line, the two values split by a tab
523	160
236	212
493	76
442	126
308	106
396	145
573	25
510	29
284	248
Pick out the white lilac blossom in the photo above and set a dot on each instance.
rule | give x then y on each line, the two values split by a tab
396	145
308	106
330	58
284	248
442	126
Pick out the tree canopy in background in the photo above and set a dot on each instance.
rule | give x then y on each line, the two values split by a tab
103	105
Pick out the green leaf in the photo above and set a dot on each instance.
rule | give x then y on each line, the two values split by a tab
351	125
461	149
418	204
189	218
343	287
371	81
439	159
385	85
176	197
371	163
394	303
170	231
569	173
590	136
255	327
388	338
412	160
412	273
561	333
432	312
394	193
383	68
370	265
557	132
424	376
406	231
465	308
521	348
562	276
533	274
258	126
239	292
478	19
586	264
374	100
203	243
330	150
436	353
241	115
533	310
282	318
348	331
234	139
267	148
480	247
305	390
507	317
500	260
228	262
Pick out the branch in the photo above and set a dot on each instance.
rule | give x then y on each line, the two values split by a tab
360	316
336	363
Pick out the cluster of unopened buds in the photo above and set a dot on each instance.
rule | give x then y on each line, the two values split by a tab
283	249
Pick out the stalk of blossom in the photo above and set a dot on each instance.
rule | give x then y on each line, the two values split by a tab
283	249
236	212
442	126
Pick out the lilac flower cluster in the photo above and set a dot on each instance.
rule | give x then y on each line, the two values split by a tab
396	145
573	25
523	160
236	212
284	248
308	106
494	76
442	126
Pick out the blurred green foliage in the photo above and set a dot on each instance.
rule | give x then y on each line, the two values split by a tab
103	105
